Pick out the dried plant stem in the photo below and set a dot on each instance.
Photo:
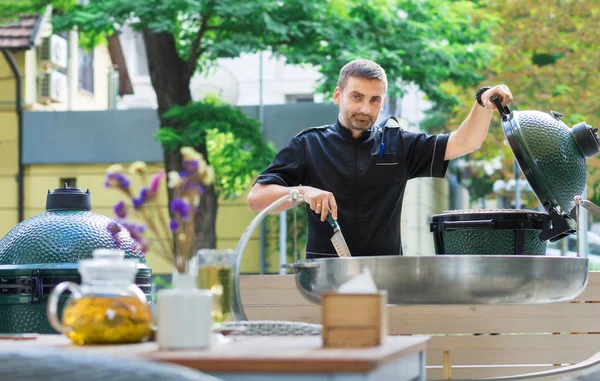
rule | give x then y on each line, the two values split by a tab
154	230
164	224
190	230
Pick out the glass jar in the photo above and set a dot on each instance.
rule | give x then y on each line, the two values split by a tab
215	273
108	307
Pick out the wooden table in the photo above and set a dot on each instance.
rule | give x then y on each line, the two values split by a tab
269	358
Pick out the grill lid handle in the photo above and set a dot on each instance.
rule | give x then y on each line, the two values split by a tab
68	199
586	138
497	101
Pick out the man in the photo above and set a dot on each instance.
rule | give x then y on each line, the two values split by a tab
357	171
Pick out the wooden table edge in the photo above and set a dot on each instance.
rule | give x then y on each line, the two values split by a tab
269	365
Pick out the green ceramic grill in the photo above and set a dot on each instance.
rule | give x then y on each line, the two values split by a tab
42	251
552	157
489	232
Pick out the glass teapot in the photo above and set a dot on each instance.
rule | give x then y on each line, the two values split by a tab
108	307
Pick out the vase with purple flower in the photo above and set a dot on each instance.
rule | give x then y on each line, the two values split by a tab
183	312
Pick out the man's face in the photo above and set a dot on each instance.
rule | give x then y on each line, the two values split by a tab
361	100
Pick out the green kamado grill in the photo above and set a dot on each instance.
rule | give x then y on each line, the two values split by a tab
42	251
490	232
552	157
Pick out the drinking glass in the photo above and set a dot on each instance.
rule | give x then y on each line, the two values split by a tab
215	273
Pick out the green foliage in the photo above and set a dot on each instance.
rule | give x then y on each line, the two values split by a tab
235	143
548	58
422	42
161	283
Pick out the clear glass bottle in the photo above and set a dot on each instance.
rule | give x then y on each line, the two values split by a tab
215	273
108	307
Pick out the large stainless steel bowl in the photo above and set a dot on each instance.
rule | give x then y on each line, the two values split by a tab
452	279
441	279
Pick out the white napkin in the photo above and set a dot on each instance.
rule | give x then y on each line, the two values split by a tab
363	283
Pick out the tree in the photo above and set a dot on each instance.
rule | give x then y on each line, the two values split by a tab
549	56
424	42
234	141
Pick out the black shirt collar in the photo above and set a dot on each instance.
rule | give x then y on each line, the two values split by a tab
346	133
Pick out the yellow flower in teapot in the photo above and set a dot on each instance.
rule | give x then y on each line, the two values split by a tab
107	308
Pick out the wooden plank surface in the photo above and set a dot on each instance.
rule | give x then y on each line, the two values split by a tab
513	349
269	354
460	319
275	297
478	373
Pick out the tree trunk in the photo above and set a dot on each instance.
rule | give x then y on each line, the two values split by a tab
169	75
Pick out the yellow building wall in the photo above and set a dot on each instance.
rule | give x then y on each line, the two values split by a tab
8	143
232	218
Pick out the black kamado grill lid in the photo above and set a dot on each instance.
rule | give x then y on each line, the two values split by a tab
552	157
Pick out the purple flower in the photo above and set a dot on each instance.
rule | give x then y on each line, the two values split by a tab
114	228
155	181
137	203
142	199
139	244
144	194
190	165
133	228
117	180
180	207
193	187
120	209
185	175
174	225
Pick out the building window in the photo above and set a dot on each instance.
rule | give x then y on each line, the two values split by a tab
70	182
299	98
86	70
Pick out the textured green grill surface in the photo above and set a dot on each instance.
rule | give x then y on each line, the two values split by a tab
490	242
24	318
64	236
53	237
561	167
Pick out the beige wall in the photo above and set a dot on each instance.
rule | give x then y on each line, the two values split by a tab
423	198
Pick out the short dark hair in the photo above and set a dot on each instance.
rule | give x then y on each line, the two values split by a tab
361	68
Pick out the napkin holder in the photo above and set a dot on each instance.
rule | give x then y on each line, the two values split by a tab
354	320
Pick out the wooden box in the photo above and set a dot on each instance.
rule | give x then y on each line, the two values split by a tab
354	320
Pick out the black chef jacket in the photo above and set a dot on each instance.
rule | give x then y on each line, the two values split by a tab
367	177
